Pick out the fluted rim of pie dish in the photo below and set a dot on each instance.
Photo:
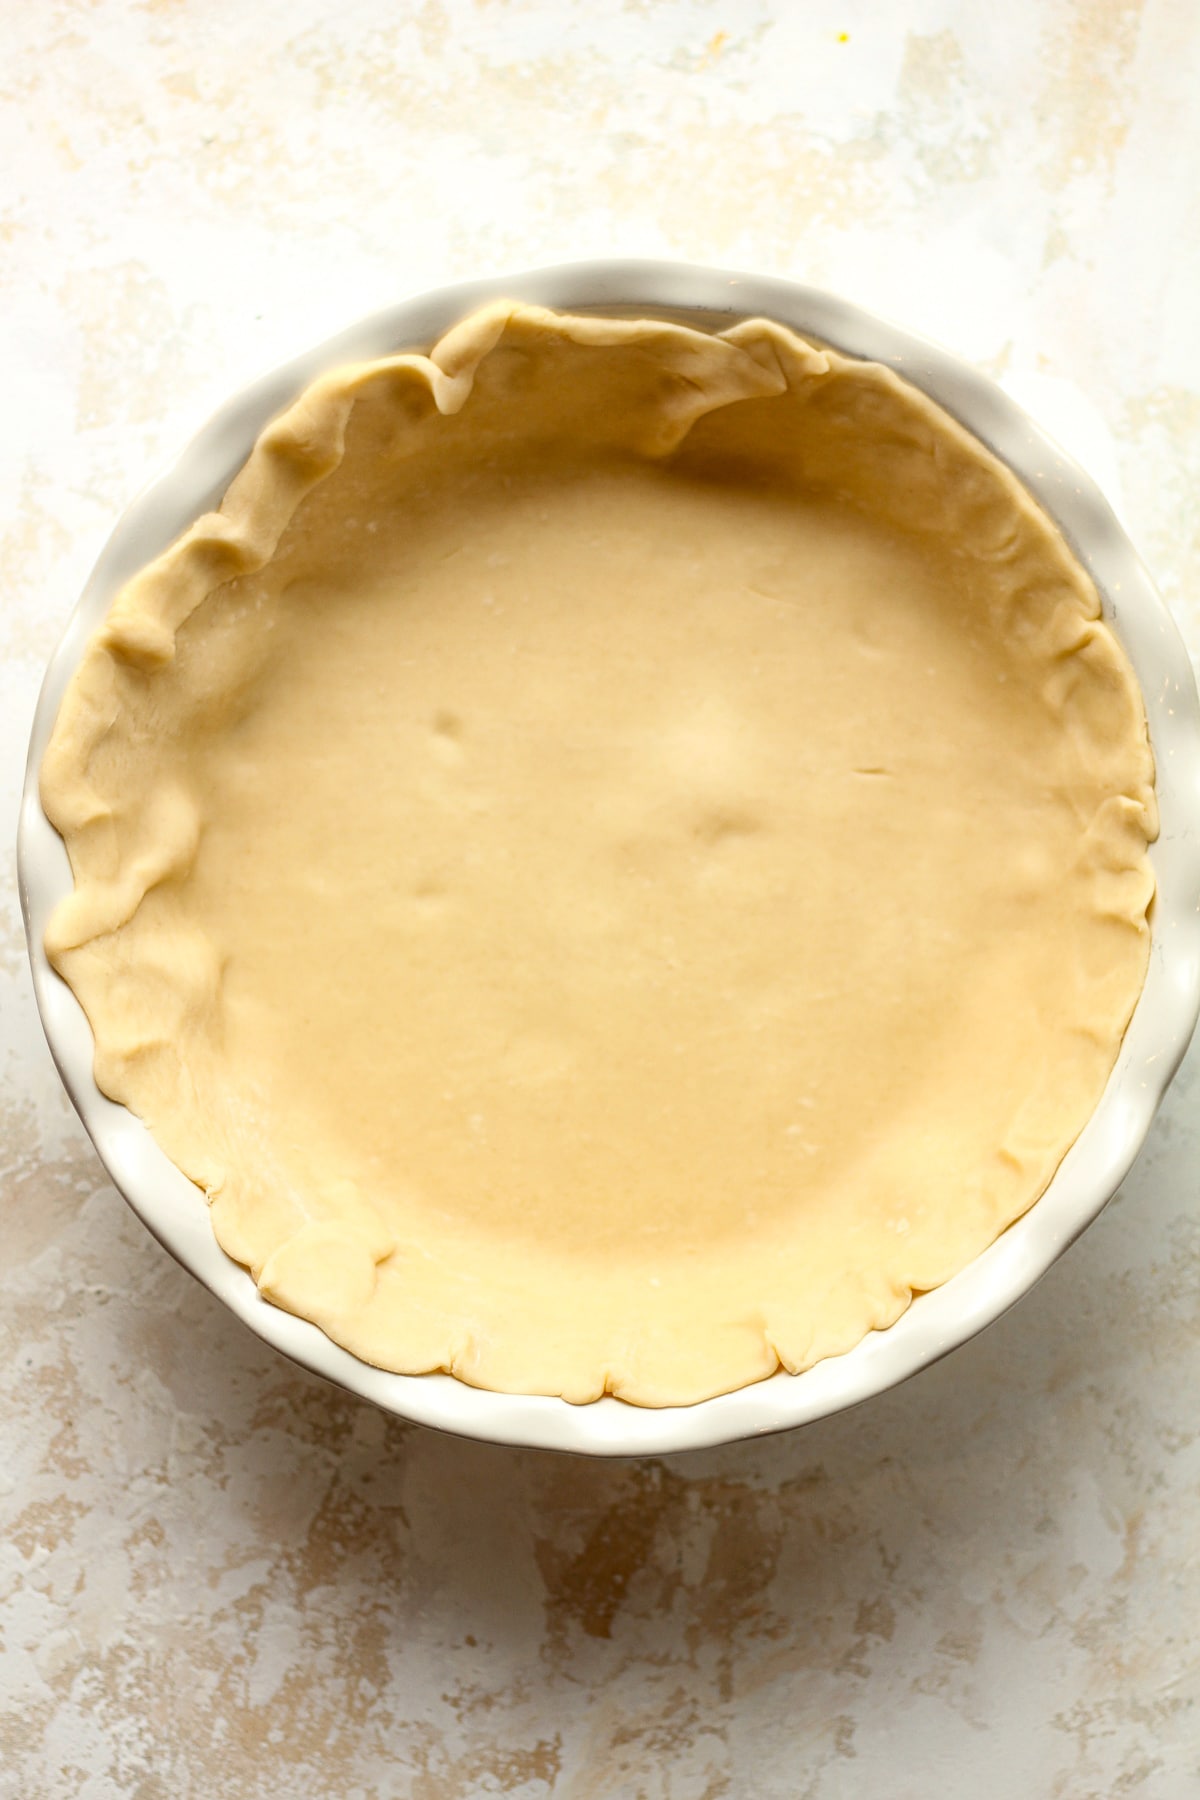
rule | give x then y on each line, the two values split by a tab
1158	1035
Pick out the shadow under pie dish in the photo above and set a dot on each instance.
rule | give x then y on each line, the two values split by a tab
620	852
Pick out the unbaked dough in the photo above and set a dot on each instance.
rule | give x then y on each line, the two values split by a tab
616	856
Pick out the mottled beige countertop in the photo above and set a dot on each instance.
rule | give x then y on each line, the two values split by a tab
219	1577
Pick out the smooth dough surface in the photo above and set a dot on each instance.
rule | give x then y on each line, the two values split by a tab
617	855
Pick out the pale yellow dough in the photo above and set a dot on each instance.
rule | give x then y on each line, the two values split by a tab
617	855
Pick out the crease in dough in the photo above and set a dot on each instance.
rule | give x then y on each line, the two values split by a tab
617	854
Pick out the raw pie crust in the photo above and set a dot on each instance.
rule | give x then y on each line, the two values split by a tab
617	855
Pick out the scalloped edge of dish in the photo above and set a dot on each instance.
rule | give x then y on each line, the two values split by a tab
1155	1042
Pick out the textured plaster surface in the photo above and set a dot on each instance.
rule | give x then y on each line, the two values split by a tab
219	1577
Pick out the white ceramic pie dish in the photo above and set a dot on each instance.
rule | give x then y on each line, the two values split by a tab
1158	1035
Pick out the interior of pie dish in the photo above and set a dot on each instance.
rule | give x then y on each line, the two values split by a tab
616	856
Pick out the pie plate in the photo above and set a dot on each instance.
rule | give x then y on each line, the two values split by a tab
1162	1024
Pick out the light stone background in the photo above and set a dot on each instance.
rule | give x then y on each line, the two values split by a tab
220	1577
